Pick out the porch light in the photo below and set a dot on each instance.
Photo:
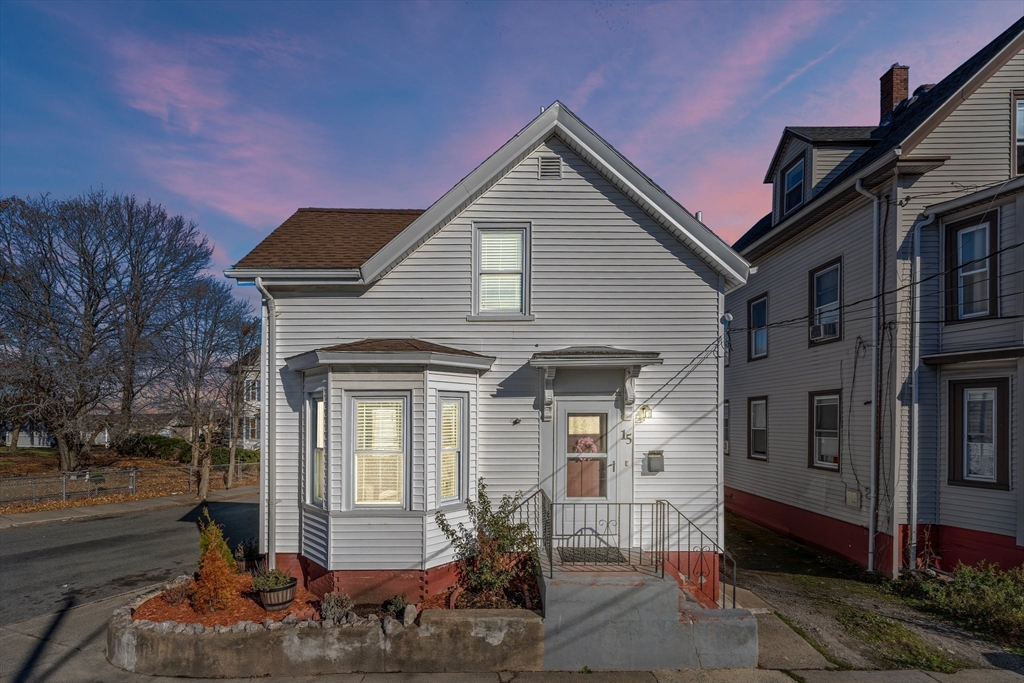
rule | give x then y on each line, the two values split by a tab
643	413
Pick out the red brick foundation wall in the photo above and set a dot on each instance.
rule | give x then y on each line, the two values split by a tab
369	586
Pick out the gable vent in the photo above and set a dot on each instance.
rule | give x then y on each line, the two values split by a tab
549	168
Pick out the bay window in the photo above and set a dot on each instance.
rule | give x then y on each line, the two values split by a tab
381	451
452	449
317	451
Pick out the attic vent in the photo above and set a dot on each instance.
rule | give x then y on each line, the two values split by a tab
549	168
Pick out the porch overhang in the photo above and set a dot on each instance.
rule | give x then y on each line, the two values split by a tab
974	356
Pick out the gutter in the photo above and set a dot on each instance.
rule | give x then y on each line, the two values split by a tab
873	498
915	368
269	390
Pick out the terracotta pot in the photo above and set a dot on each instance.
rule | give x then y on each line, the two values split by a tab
278	599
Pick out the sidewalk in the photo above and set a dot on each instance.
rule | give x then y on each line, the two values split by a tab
69	647
113	509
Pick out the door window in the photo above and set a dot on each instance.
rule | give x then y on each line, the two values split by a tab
587	455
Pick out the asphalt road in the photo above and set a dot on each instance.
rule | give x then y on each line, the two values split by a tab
51	567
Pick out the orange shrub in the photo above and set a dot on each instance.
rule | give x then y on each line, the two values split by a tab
215	587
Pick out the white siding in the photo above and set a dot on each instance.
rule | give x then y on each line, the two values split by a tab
603	272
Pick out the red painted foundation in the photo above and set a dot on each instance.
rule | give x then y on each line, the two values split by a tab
696	573
948	545
369	586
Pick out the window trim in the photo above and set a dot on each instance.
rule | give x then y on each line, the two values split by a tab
751	400
954	445
812	397
803	184
526	227
464	456
952	294
811	300
311	398
726	425
751	329
251	390
407	455
1016	100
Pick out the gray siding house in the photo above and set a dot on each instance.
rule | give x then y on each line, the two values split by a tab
553	323
877	351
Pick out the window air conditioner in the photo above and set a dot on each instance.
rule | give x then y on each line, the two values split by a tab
824	331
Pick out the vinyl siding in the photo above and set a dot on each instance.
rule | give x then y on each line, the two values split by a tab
603	272
829	162
794	149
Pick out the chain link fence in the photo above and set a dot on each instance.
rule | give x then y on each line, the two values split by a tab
144	482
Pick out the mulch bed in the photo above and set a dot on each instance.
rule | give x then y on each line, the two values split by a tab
244	607
524	596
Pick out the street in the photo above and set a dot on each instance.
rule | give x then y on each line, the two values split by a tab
52	567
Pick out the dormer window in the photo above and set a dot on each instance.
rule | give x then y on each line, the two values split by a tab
793	186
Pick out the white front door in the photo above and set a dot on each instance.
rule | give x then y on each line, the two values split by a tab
592	478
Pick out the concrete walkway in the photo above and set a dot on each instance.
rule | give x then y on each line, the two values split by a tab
114	509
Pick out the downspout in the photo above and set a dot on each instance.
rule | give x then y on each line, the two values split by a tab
915	364
873	497
269	391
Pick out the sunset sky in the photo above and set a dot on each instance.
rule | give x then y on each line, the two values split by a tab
236	114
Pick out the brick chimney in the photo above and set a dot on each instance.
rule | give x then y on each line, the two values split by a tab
895	88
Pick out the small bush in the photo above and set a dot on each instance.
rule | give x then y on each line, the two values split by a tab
220	455
981	598
216	585
270	580
335	606
395	606
155	446
211	539
179	592
497	550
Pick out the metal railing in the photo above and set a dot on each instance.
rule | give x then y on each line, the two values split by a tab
145	481
635	536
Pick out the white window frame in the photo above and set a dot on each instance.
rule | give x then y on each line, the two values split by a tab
462	464
251	428
354	399
820	399
976	266
252	390
525	228
995	435
312	398
799	163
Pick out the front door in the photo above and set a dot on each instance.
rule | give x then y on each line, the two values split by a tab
592	482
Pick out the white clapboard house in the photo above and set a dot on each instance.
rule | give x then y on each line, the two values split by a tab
552	324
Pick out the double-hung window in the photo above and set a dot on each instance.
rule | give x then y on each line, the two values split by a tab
1018	132
725	428
979	434
252	390
381	451
793	186
502	277
757	427
251	428
824	433
452	450
317	451
826	308
757	324
971	278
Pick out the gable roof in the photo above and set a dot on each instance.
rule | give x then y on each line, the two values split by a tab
907	120
558	121
328	238
822	135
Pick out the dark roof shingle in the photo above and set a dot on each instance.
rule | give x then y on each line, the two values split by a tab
837	133
328	238
406	344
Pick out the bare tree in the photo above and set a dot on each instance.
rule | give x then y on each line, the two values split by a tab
160	257
201	346
244	340
58	316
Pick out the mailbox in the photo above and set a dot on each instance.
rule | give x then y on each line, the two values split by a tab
655	461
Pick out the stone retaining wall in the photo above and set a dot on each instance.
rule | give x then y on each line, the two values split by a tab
444	640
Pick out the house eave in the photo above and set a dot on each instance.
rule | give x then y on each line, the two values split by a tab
368	359
978	198
623	360
295	276
974	355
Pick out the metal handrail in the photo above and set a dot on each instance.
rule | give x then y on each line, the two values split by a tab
704	544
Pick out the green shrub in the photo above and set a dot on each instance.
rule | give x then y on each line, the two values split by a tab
497	550
270	580
395	606
981	598
335	606
220	455
155	446
211	539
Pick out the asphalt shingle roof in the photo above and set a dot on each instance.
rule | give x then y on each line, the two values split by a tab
399	345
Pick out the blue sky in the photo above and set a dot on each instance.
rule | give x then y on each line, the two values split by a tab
235	114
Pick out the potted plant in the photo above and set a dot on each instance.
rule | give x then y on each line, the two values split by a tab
248	557
276	589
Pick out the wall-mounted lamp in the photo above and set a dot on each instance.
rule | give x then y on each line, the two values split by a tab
643	413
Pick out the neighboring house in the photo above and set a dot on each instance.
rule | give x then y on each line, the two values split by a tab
887	398
552	322
249	411
30	435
